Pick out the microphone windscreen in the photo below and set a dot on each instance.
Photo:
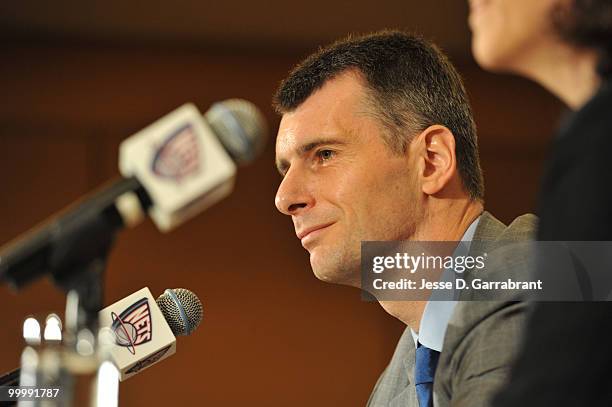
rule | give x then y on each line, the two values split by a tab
241	128
182	309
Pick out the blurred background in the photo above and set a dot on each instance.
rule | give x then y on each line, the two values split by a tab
78	77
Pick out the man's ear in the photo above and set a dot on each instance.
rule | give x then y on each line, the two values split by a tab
437	148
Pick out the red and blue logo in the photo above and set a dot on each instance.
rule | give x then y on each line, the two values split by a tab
134	326
178	156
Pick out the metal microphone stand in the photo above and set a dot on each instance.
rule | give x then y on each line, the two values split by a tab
76	261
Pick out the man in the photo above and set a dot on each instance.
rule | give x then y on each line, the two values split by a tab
377	142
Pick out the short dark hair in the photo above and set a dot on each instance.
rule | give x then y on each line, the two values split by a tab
411	85
588	23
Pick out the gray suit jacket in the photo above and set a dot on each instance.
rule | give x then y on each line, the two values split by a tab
482	336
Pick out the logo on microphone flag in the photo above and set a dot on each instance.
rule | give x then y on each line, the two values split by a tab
178	156
133	326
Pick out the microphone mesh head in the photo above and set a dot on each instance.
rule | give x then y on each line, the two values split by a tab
240	127
182	309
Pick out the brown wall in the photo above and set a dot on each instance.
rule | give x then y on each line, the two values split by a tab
272	334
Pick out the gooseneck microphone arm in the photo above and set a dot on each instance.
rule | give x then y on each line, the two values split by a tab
73	247
10	378
68	244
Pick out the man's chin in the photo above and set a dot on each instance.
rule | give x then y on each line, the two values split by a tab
319	268
324	276
329	270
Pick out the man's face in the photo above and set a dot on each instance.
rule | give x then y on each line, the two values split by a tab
342	184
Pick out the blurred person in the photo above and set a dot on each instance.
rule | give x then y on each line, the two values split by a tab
565	46
377	143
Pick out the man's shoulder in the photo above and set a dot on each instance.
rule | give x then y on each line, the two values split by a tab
476	358
492	229
507	251
521	228
483	335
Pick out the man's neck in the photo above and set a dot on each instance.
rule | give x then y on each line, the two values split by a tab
409	312
447	220
448	223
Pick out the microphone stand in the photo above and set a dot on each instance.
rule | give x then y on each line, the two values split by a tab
72	248
10	378
84	287
76	262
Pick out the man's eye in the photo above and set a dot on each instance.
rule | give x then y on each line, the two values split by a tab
325	155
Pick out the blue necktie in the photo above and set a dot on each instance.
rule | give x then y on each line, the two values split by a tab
424	371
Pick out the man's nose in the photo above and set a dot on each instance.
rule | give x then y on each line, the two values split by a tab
293	195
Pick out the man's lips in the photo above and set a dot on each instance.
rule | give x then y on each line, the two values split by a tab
305	232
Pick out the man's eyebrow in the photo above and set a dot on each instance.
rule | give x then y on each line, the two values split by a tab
283	165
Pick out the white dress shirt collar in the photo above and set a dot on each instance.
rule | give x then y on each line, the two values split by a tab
437	313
